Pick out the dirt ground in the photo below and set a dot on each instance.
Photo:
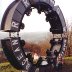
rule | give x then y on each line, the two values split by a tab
67	67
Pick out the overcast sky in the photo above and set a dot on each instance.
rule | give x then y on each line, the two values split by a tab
37	22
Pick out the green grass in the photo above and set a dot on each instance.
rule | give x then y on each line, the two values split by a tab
4	64
68	58
1	49
6	67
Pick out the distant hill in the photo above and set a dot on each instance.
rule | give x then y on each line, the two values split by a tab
37	42
35	36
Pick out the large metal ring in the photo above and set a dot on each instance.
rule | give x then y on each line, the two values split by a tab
12	22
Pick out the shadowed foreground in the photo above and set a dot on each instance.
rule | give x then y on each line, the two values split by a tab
67	67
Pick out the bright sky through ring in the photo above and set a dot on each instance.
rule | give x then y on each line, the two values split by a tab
65	6
36	22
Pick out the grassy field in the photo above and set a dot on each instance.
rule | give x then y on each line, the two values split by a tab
67	67
6	67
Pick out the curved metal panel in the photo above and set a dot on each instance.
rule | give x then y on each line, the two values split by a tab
12	22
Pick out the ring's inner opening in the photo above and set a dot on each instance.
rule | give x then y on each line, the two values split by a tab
36	33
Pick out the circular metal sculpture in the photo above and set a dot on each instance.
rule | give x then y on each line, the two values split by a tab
12	22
